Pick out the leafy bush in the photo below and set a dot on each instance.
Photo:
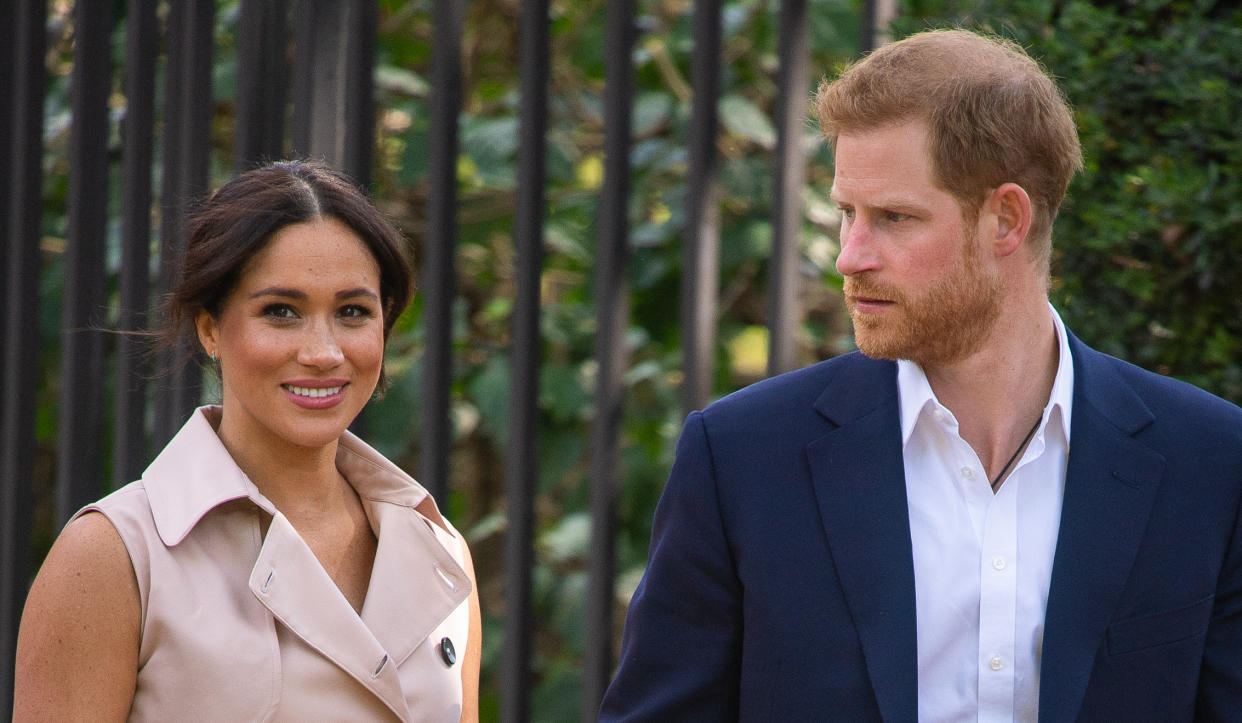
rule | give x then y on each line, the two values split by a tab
486	175
1146	262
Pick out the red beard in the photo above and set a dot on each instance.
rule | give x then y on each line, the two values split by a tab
946	323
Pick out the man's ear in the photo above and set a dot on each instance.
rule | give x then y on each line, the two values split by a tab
208	330
1012	208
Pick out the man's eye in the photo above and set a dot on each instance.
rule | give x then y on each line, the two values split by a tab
894	217
847	212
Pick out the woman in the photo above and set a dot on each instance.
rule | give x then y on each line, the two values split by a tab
268	565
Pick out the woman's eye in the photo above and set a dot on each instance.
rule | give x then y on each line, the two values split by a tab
356	311
279	311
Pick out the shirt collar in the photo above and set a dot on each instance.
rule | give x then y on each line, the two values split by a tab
195	474
916	395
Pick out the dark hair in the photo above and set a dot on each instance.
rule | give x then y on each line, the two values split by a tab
238	220
993	116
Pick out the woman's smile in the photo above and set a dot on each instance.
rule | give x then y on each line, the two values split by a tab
316	394
300	338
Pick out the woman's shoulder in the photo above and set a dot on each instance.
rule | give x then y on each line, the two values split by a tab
91	536
127	511
109	537
83	606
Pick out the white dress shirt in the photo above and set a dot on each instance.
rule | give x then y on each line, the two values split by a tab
982	561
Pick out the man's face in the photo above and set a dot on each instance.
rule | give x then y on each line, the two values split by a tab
919	281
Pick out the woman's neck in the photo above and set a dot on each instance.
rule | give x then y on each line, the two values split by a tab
297	480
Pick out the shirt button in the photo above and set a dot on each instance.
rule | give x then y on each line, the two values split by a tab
996	663
968	473
938	415
998	562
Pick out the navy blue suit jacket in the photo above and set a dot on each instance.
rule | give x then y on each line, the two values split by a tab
780	583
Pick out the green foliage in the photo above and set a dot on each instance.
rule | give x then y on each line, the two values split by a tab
1148	244
1146	262
486	186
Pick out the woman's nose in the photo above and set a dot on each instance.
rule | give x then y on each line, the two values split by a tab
320	348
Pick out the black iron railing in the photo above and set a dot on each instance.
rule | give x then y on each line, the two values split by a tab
331	91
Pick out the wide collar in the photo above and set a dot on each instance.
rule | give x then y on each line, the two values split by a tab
417	579
859	483
194	474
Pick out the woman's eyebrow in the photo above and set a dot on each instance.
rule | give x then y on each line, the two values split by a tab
279	291
301	295
360	291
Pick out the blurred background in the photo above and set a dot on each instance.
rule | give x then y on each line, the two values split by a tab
1147	253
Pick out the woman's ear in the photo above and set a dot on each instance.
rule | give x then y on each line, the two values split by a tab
208	333
1012	207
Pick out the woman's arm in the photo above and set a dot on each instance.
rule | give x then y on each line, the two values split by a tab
474	647
77	649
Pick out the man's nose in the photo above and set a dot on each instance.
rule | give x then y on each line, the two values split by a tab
858	252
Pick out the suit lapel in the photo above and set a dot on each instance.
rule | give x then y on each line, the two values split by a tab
859	483
1110	484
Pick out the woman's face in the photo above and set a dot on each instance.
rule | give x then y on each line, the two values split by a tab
300	341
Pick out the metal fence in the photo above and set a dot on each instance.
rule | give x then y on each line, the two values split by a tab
328	86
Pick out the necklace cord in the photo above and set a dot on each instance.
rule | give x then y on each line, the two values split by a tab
1001	475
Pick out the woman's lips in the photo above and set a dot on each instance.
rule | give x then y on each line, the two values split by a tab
318	394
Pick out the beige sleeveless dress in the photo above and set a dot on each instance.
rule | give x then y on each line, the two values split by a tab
241	627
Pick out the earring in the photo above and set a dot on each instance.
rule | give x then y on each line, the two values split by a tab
213	357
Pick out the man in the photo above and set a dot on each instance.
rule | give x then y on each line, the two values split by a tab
976	518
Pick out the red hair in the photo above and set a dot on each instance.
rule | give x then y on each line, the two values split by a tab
993	116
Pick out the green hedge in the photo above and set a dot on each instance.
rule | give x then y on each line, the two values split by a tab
1147	262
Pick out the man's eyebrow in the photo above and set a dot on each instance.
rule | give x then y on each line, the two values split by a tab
901	204
894	203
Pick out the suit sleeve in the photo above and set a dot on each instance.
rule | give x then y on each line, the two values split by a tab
1220	677
681	646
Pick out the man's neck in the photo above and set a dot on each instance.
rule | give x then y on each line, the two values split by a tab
997	393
